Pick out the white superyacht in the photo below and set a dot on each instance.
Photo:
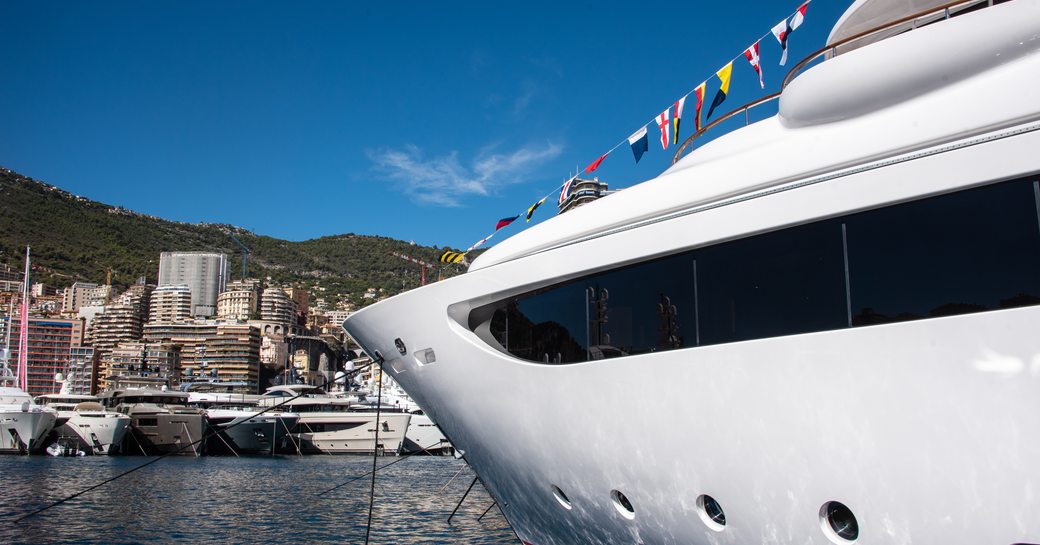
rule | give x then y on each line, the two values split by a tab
23	424
837	307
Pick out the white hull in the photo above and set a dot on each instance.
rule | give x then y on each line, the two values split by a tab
24	432
926	430
96	432
350	433
424	436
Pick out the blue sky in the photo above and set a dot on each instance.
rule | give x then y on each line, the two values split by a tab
420	121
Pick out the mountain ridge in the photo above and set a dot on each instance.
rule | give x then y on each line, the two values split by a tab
74	238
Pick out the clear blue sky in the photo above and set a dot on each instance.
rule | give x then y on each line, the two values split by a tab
424	121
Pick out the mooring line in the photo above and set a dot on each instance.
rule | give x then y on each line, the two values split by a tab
493	504
399	459
475	479
148	463
375	457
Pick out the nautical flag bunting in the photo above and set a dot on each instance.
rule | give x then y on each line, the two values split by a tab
723	75
784	28
595	164
530	211
699	93
662	122
505	221
639	142
675	121
752	56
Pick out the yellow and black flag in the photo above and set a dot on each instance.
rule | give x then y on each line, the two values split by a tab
723	75
530	211
452	257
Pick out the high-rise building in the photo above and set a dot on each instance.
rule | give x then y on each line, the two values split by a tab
240	301
84	294
302	298
276	306
170	305
49	343
212	352
121	322
82	370
205	274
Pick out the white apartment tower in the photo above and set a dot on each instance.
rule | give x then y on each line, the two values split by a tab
170	305
205	274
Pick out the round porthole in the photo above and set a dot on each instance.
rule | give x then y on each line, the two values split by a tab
561	497
711	512
838	523
622	505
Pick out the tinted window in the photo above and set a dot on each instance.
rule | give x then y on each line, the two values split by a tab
965	252
643	308
548	326
970	251
790	281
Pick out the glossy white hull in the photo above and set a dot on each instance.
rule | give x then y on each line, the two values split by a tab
96	432
350	433
926	430
24	431
425	437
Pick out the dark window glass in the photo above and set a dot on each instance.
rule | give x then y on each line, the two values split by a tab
965	252
548	326
642	308
782	283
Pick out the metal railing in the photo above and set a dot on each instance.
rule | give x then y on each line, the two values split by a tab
832	48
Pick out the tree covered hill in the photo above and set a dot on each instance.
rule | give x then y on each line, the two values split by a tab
76	239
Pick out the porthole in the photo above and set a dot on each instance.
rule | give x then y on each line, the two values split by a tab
711	512
561	497
622	505
838	523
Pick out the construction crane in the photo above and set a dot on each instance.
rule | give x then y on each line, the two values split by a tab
245	253
419	262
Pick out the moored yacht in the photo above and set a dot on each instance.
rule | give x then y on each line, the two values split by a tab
333	425
82	422
23	424
240	428
836	305
160	421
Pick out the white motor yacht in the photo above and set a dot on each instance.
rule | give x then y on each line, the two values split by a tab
23	424
332	425
240	427
837	306
82	421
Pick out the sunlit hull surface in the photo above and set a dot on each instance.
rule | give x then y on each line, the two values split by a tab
925	429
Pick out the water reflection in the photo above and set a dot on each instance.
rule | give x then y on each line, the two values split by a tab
242	500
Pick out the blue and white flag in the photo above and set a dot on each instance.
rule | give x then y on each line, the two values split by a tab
640	143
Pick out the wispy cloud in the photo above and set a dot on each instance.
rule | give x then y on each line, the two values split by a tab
446	181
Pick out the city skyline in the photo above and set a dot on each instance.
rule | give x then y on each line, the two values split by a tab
411	121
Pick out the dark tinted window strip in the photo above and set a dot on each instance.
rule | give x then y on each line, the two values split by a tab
969	251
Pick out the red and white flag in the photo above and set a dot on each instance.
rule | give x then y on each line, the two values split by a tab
662	122
752	56
799	16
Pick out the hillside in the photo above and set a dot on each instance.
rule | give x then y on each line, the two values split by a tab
77	239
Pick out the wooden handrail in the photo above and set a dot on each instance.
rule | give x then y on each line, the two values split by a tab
796	69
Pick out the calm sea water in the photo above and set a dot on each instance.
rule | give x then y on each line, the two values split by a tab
244	500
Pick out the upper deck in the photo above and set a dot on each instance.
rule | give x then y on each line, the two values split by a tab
943	82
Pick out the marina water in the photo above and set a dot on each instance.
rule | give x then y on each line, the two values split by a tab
245	500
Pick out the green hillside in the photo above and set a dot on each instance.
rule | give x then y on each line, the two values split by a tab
77	239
